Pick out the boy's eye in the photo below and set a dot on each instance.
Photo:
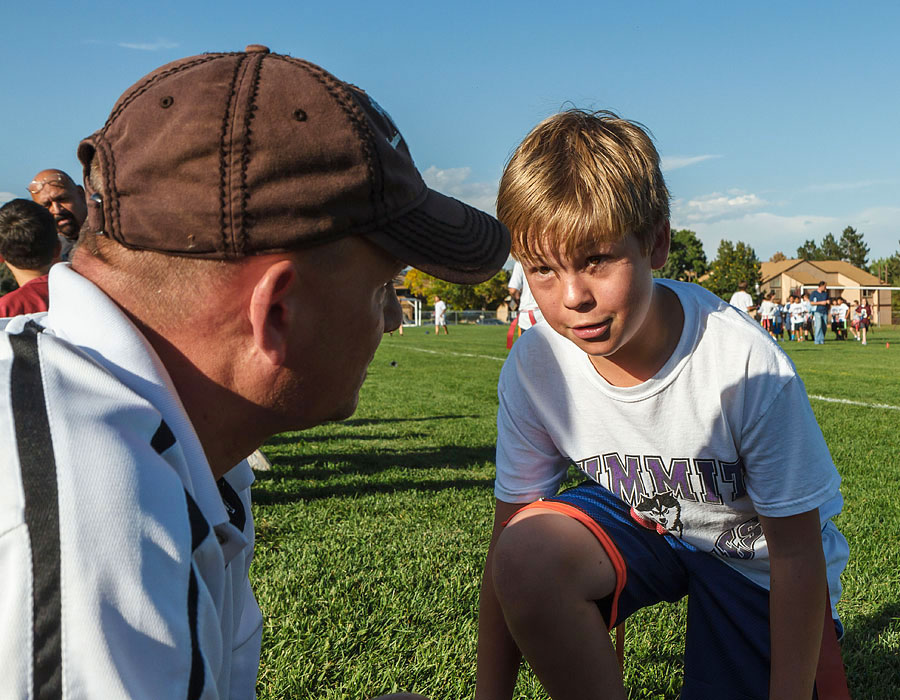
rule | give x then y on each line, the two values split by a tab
595	260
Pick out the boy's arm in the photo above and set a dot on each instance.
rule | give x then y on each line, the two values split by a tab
797	601
498	655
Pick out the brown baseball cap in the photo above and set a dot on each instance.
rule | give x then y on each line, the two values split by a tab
226	155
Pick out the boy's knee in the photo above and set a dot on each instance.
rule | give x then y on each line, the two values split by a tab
548	553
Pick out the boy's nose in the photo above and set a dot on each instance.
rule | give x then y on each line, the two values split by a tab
576	294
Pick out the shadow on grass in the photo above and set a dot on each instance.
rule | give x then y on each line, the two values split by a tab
328	468
311	493
872	668
312	466
291	438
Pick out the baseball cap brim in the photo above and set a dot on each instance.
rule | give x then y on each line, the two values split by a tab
447	239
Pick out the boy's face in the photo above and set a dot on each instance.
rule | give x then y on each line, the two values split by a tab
599	298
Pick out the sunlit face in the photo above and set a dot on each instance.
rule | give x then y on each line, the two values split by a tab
599	298
64	200
347	303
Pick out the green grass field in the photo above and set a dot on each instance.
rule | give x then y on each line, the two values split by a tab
371	533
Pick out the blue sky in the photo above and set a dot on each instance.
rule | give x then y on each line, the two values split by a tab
777	122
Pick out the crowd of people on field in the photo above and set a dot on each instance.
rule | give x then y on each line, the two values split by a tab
793	319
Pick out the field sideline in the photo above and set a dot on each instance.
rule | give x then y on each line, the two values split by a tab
371	533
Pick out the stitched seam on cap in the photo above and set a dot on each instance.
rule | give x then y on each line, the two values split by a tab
223	157
338	91
246	222
151	82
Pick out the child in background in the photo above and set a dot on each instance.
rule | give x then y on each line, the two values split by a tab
672	403
843	310
807	316
767	313
863	312
798	319
778	321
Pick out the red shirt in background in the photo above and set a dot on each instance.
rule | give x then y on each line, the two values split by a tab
30	298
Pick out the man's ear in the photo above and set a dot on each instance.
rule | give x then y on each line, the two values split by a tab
660	252
272	312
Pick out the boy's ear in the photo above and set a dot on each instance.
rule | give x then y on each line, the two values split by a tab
272	310
660	252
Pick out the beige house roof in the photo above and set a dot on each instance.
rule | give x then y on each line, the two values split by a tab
811	271
844	268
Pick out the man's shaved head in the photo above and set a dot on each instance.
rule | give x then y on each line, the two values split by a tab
57	192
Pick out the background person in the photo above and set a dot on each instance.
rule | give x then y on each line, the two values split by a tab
28	246
741	299
864	314
199	316
819	303
57	192
440	316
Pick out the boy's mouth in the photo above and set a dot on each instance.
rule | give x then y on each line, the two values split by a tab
592	332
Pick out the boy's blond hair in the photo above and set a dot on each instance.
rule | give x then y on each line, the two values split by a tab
580	177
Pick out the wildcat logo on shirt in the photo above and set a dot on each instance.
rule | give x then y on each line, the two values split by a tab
662	512
657	491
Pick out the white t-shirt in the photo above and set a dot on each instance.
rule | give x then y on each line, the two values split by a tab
149	592
517	280
707	428
841	312
766	310
741	300
440	309
798	313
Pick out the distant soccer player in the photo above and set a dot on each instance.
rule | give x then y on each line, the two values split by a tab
440	315
672	403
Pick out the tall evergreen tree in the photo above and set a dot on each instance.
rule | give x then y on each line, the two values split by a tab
830	248
809	251
853	248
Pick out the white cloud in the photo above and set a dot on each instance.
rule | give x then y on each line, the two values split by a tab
149	46
765	232
6	196
669	163
716	206
454	182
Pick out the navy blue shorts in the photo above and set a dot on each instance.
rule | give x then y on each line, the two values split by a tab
727	652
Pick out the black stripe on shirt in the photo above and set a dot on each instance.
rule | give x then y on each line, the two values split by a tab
195	684
38	467
162	439
199	527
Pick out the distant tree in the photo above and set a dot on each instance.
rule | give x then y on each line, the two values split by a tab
778	257
830	248
7	281
485	295
734	262
686	261
809	251
887	269
853	248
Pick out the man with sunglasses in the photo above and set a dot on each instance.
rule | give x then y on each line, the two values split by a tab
57	192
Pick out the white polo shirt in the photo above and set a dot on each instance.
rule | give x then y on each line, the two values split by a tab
124	563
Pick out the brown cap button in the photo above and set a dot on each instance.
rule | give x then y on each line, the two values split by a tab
257	48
